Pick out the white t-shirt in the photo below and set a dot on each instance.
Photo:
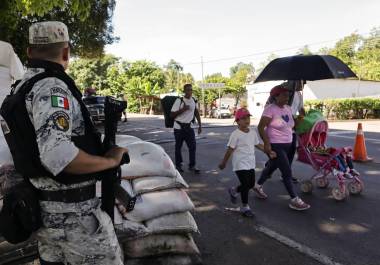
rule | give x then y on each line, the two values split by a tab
243	157
187	116
297	103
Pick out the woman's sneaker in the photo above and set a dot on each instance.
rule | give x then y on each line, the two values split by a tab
298	204
233	195
247	212
260	192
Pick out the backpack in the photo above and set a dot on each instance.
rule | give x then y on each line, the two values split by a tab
167	104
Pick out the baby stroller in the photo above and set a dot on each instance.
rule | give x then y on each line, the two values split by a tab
327	161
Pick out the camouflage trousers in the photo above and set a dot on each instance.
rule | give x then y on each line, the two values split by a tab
85	237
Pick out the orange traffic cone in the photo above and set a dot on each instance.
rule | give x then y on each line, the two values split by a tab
360	150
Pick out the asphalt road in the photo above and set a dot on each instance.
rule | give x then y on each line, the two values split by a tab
343	232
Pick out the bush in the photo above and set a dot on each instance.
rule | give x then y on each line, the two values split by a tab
353	108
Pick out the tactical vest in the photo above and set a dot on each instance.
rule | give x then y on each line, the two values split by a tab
20	133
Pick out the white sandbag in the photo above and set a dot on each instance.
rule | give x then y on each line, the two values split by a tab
123	140
156	245
155	204
168	259
157	183
181	223
5	154
148	159
129	230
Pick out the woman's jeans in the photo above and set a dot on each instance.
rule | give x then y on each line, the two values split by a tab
282	162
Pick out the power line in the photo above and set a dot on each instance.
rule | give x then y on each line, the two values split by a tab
273	51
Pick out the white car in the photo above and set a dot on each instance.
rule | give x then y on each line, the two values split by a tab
224	112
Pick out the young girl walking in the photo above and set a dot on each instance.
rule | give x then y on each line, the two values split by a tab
241	146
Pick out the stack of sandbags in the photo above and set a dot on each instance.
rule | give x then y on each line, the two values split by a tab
158	230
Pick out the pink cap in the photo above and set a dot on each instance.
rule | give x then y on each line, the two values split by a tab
241	113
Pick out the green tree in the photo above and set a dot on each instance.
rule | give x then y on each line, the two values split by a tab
305	50
173	72
239	79
92	72
346	49
367	65
147	71
89	22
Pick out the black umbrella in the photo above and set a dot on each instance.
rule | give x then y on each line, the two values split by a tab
305	67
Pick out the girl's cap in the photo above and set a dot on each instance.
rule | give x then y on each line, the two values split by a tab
277	90
241	113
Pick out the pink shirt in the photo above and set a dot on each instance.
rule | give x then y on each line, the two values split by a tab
279	130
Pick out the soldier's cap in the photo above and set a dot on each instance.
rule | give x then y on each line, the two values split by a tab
48	32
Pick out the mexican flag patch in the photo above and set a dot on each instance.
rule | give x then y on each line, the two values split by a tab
60	102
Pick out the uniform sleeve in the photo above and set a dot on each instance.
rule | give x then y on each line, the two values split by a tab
52	120
232	142
268	112
176	105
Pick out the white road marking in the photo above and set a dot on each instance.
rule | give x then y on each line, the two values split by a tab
325	260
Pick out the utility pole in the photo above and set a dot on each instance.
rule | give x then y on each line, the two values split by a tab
203	91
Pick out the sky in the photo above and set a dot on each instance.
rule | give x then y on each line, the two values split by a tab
224	32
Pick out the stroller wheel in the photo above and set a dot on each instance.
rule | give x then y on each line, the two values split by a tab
339	194
355	187
306	186
322	182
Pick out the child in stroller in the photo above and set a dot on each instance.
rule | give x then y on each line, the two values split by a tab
327	161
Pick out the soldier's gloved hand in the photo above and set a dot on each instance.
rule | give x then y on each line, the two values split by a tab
115	154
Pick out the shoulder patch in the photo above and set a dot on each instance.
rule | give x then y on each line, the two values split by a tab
60	102
61	120
58	90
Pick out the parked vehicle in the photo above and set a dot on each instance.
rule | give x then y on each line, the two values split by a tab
223	112
95	105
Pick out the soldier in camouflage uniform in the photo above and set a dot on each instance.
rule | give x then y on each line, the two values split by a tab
75	232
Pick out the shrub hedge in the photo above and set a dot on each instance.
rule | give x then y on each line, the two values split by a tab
351	108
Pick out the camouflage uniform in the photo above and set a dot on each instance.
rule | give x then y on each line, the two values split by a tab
72	233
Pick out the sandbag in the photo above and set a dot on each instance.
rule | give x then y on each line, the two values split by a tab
155	204
123	140
167	260
148	159
181	223
129	230
156	245
157	183
5	154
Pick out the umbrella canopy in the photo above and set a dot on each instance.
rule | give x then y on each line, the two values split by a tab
305	67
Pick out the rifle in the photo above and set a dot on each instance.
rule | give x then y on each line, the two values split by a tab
111	187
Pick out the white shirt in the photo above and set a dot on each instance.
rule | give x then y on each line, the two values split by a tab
243	157
297	103
10	69
188	115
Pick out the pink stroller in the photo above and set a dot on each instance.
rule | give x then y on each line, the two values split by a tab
327	162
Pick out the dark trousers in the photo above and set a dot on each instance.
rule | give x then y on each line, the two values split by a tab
187	135
293	149
291	153
281	162
247	182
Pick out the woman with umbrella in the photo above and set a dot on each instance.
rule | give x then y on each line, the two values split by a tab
275	128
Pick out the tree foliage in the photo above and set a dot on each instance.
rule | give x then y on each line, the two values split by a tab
88	21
